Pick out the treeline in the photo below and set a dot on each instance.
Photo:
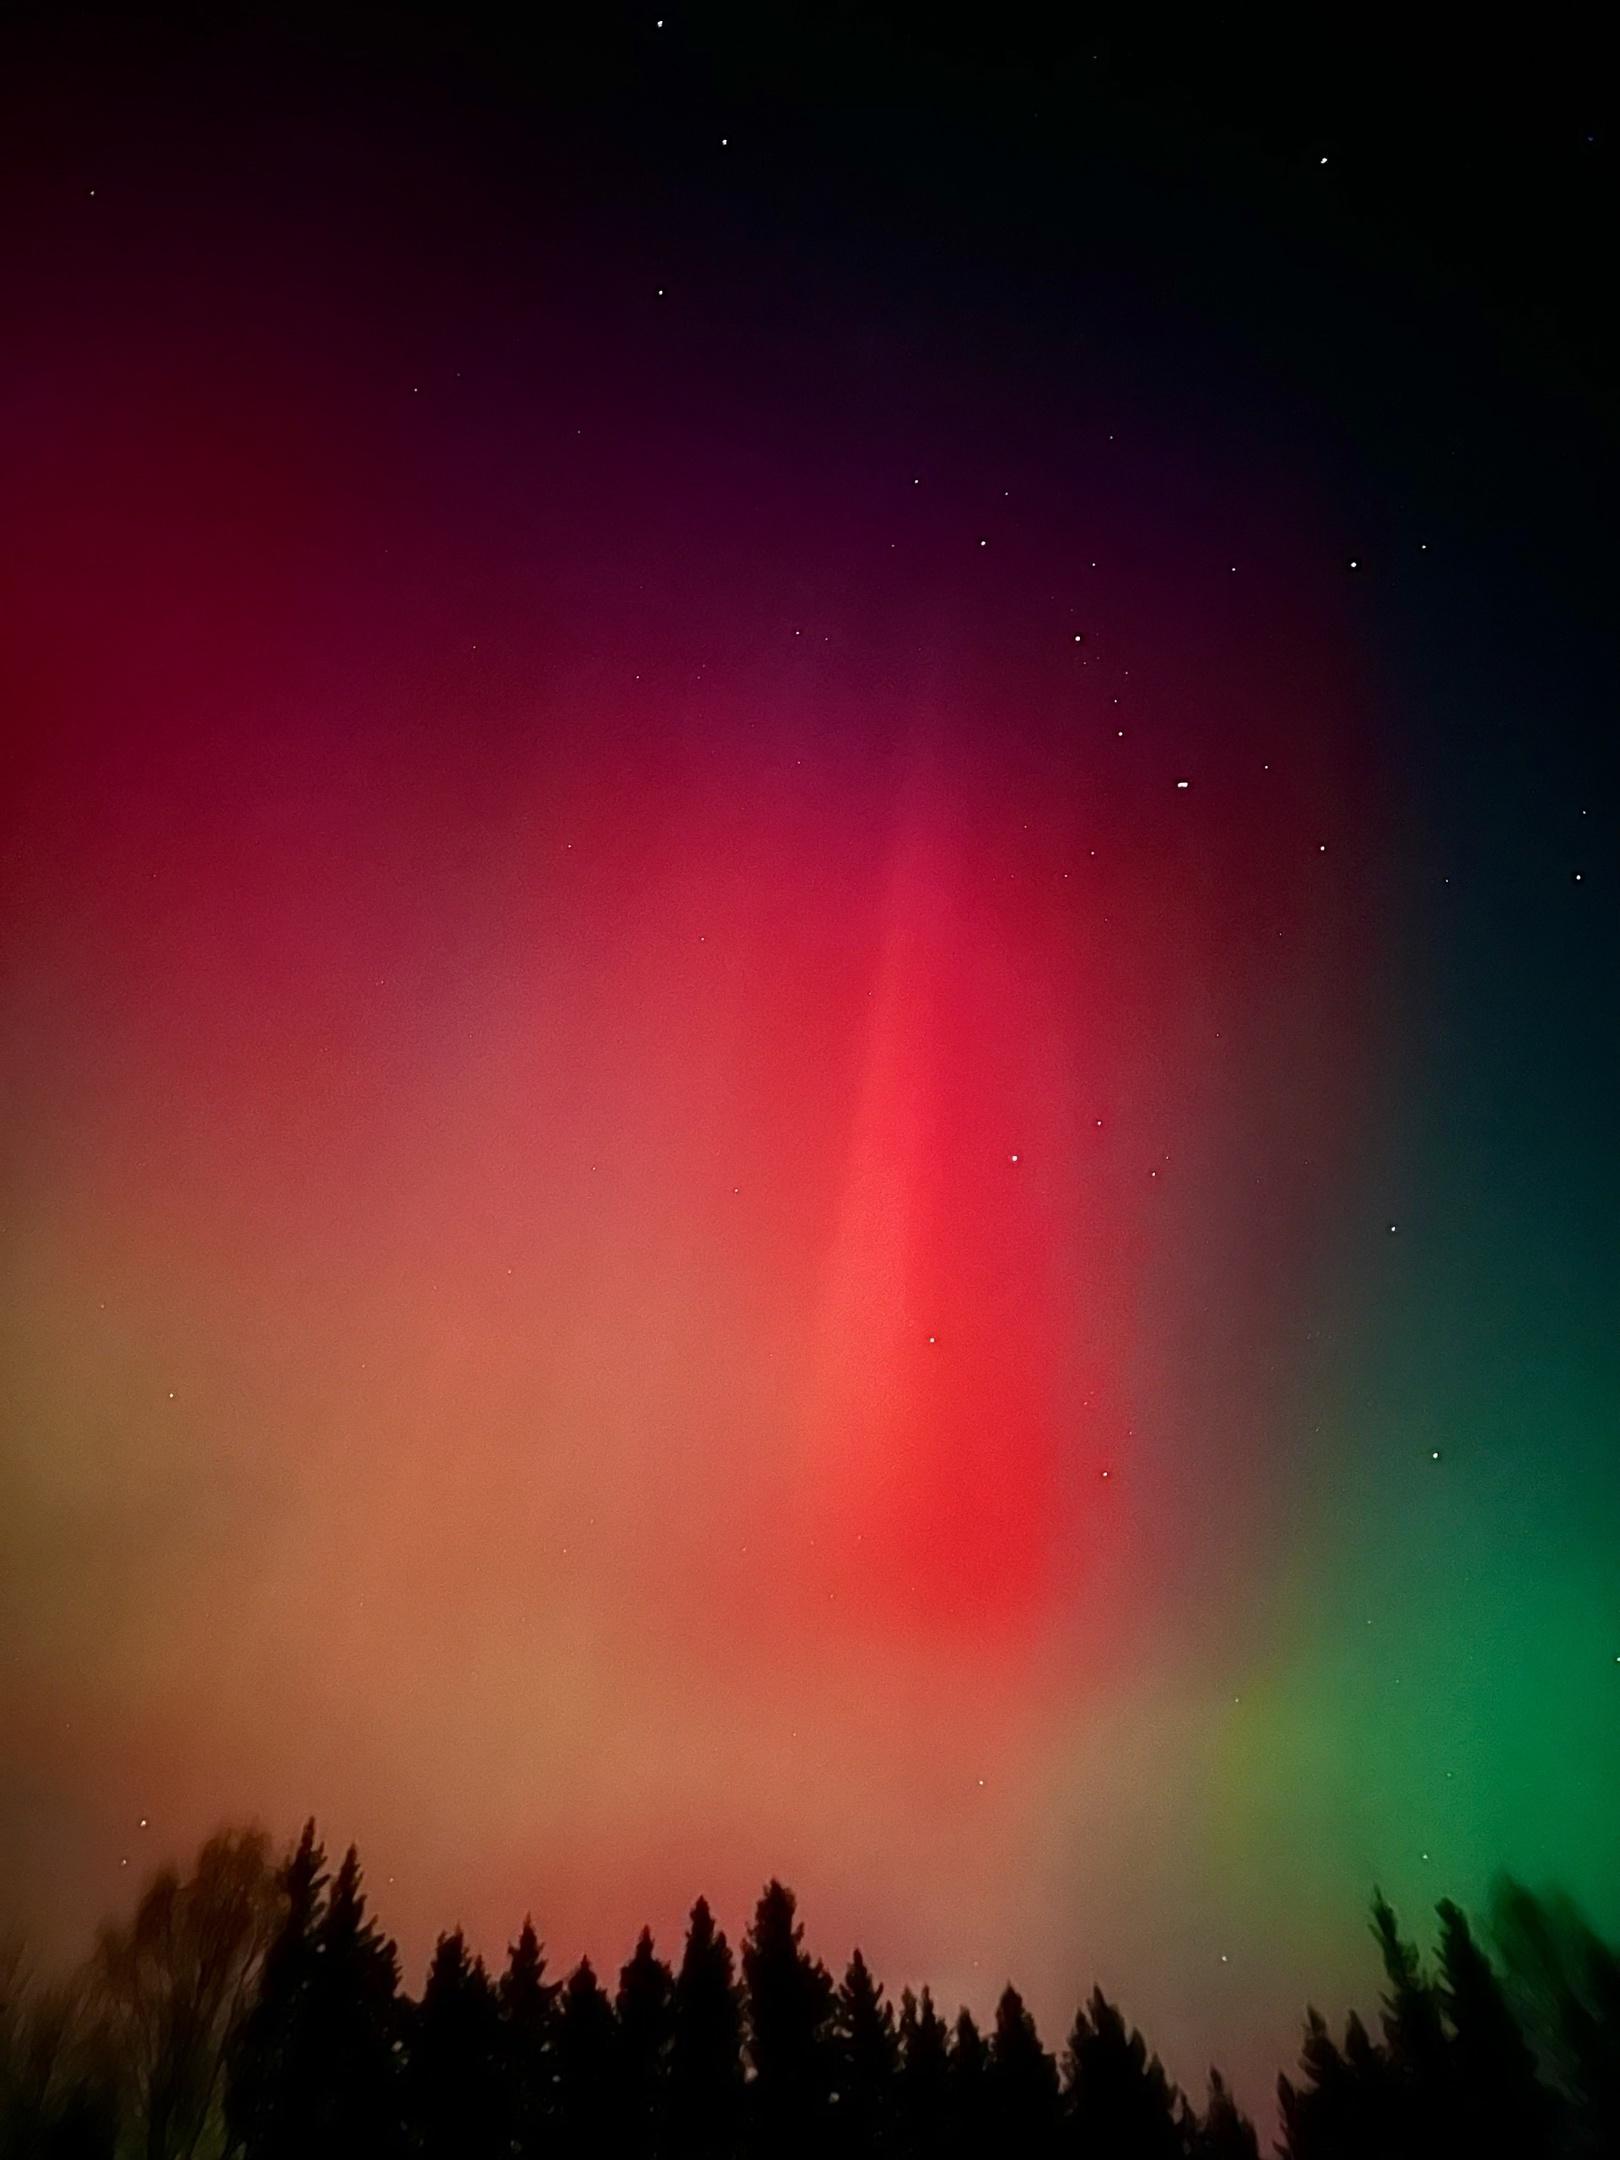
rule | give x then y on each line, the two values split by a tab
255	2012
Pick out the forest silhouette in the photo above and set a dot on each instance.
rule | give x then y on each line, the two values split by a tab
253	2010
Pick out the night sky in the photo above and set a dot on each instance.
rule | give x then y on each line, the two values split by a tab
808	971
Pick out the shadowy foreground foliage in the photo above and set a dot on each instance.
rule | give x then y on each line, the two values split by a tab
254	2011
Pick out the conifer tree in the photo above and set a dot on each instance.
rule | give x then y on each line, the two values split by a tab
1422	2119
1119	2103
454	2082
1595	2040
924	2095
790	2031
705	2064
1225	2132
266	2107
350	2041
589	2120
1348	2106
1022	2080
1565	1984
645	2007
316	2075
971	2122
866	2115
1506	2111
527	2004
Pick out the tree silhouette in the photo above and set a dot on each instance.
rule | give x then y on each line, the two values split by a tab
588	2113
969	2124
1422	2122
1563	1983
924	2085
1349	2104
59	2090
1590	2023
174	1985
1022	2080
265	2105
455	2090
527	2004
705	2062
1225	2133
790	2030
318	2074
645	2007
355	2028
1506	2112
285	1981
1119	2103
867	2111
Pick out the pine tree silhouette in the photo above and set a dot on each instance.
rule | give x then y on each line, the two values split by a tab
1349	2105
265	2106
866	2114
527	2003
1513	2060
351	2038
790	2031
1423	2120
454	2085
1225	2133
1565	1988
705	2063
1506	2112
970	2125
645	2007
589	2115
317	2075
1119	2104
1022	2081
1596	2038
924	2083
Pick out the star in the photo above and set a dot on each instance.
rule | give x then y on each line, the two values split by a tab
1012	1158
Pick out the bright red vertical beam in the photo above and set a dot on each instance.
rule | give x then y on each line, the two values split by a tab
931	1440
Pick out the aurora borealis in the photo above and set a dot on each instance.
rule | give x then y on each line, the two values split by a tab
808	979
